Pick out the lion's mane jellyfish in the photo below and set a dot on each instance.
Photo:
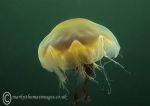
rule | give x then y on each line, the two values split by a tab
77	44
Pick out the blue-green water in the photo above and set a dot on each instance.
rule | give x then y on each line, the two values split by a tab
23	24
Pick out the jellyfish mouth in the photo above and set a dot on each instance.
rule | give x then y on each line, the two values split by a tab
81	92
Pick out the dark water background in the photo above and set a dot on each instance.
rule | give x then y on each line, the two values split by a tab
24	23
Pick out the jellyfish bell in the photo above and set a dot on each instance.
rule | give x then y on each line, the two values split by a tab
75	43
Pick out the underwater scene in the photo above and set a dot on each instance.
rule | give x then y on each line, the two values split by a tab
74	52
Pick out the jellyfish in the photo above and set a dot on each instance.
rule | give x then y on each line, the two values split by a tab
77	44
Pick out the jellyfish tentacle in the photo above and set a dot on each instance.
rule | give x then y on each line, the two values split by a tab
101	68
90	78
120	55
94	74
107	79
88	75
62	79
117	63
